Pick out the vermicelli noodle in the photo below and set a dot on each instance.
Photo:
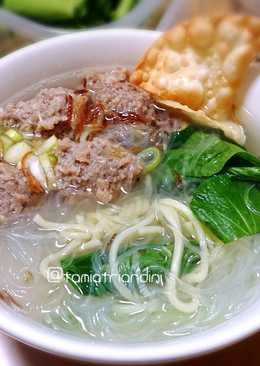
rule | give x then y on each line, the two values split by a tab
115	316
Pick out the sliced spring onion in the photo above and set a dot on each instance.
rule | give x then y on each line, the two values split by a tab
48	169
53	159
37	171
16	152
7	142
34	173
48	145
151	158
14	135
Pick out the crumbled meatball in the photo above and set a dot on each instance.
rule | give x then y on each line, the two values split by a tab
42	113
61	111
116	93
14	192
97	167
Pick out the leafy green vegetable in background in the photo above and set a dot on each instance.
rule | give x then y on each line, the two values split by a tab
231	209
72	13
123	8
153	260
54	10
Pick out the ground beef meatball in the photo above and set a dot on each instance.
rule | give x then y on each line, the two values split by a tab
97	167
108	96
14	192
114	91
42	113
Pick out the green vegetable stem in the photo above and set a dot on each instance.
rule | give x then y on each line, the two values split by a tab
47	10
123	8
71	13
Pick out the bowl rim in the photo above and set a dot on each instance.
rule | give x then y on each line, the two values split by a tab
41	337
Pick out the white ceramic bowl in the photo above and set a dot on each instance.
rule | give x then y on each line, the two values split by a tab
58	55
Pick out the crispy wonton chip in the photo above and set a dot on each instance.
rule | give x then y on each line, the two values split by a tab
198	67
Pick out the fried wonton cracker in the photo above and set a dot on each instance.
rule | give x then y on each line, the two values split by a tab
198	67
